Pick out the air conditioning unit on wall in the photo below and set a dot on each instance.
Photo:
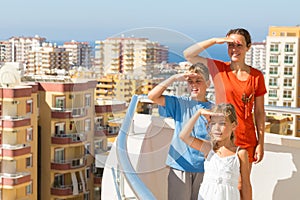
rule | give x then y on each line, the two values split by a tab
15	102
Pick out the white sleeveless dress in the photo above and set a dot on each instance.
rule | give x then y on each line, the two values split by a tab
220	181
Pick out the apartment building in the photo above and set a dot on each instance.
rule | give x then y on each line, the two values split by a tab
105	87
66	134
80	53
121	87
22	45
5	51
282	72
19	137
256	56
47	60
124	55
108	119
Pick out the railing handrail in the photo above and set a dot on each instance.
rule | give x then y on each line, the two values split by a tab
282	109
136	184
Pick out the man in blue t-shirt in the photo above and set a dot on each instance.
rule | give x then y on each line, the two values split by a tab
186	163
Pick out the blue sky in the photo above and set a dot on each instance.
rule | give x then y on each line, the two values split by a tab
88	20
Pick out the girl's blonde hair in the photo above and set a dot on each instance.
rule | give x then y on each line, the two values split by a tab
228	110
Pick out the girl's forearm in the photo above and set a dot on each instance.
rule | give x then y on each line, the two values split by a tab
185	134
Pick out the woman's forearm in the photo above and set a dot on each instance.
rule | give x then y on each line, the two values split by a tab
192	53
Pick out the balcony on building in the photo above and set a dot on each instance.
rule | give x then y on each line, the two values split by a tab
68	139
11	152
138	157
100	131
66	113
63	165
67	191
14	121
13	180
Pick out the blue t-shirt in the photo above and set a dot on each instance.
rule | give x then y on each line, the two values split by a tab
181	156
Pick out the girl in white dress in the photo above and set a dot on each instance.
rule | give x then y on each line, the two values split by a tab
225	163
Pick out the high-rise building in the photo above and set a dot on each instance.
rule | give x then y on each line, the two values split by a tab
125	55
22	45
67	139
5	51
47	60
283	69
256	56
19	136
80	53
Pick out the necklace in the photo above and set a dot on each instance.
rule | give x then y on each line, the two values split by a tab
244	88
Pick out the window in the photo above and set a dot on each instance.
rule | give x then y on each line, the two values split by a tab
287	94
87	148
289	48
274	47
29	189
272	82
273	93
287	104
29	134
272	103
288	59
273	70
87	100
288	71
86	196
273	59
288	82
29	106
98	121
98	146
87	125
60	102
58	180
29	162
87	172
59	155
60	128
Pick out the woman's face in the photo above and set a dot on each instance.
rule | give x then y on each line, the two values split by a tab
237	50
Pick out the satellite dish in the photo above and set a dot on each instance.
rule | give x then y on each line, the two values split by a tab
9	75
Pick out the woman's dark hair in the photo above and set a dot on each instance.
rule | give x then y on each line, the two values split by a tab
243	32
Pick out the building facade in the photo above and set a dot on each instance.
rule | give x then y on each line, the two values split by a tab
67	140
282	72
19	142
80	53
125	55
256	56
47	60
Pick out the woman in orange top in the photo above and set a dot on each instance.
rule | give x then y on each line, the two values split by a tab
240	84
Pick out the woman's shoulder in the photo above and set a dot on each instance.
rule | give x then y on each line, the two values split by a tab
256	72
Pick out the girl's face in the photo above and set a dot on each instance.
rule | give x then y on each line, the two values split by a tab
198	86
221	128
237	50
